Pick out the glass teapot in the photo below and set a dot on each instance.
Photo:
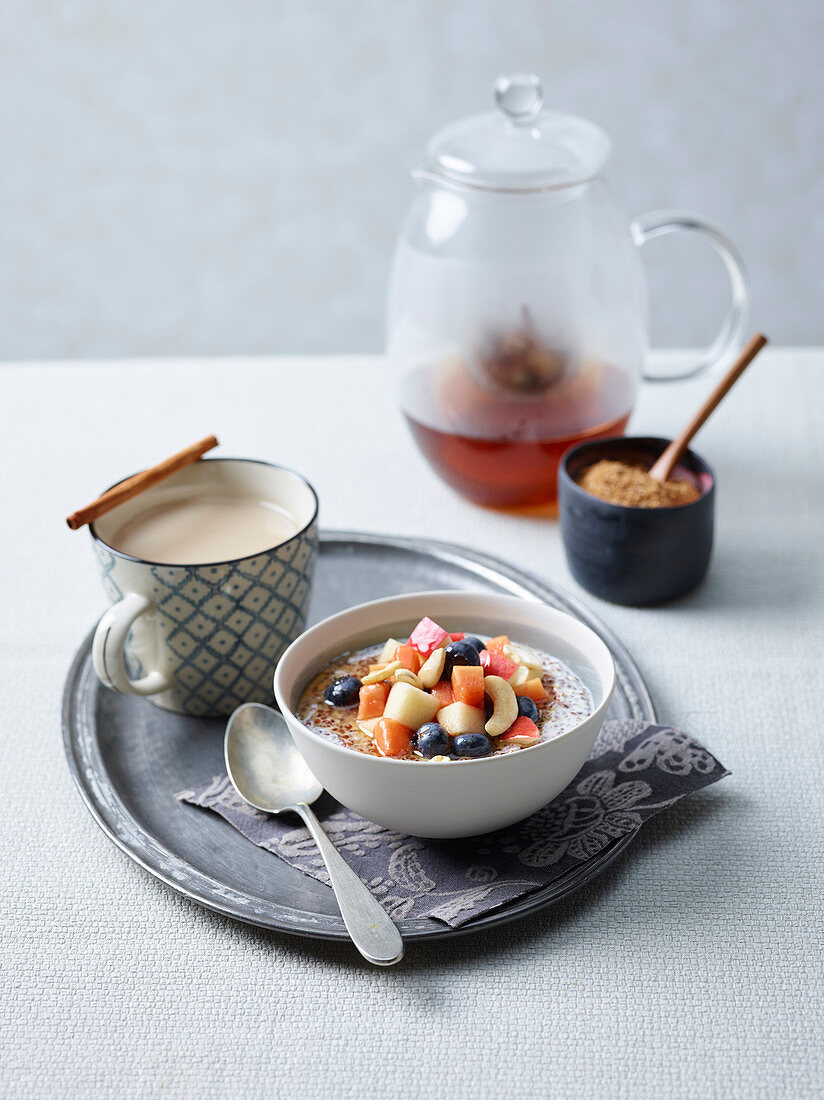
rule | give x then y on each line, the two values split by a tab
517	322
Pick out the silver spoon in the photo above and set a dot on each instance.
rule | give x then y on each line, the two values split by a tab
268	772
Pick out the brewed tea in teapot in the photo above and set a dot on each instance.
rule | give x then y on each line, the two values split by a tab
517	305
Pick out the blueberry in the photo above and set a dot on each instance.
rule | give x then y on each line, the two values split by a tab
527	708
344	691
472	744
472	640
432	740
458	653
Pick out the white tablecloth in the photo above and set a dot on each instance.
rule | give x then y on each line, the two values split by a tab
691	968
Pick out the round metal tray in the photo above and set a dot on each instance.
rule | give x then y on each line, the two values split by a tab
129	758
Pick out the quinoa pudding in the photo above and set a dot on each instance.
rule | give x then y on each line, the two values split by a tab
440	697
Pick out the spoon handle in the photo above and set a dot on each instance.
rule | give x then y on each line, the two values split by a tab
666	463
372	930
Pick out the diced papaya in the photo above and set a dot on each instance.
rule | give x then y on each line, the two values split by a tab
373	699
391	738
532	689
496	645
427	636
442	691
500	665
459	637
408	657
468	685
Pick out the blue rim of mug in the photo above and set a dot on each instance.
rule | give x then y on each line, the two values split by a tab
230	561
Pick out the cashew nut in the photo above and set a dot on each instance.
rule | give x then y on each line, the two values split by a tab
523	655
519	676
382	673
430	671
505	705
405	676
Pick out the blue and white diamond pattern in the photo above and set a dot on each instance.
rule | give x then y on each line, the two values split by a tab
227	625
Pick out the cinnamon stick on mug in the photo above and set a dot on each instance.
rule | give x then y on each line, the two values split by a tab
144	480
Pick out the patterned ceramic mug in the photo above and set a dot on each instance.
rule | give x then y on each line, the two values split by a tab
202	639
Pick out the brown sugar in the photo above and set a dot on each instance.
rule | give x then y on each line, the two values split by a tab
631	486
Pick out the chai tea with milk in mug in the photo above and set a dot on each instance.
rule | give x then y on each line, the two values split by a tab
197	530
208	572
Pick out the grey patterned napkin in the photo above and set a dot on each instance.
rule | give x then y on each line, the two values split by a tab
635	770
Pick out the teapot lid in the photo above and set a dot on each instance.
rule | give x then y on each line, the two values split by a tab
519	147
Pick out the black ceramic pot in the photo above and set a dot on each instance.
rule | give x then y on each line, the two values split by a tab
635	556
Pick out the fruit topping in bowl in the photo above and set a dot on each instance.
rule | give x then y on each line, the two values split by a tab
441	696
343	691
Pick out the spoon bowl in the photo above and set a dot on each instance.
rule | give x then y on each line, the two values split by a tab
263	763
267	771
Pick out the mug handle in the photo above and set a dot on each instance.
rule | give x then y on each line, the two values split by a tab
659	223
108	649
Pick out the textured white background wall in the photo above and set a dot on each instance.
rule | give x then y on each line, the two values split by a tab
213	176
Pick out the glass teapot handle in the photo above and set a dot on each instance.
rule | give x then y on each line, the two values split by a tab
658	223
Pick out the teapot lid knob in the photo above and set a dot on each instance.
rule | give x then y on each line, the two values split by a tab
519	96
521	146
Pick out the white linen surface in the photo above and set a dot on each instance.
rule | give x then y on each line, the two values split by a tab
691	968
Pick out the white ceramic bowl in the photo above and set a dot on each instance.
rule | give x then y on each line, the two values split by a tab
447	800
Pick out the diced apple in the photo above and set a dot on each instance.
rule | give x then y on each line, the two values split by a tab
468	685
500	665
410	706
522	732
427	636
367	726
459	718
388	651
